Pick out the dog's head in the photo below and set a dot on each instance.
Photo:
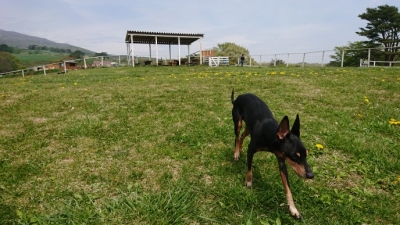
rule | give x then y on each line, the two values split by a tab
292	148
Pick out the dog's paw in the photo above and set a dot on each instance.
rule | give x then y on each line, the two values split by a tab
248	184
236	156
294	212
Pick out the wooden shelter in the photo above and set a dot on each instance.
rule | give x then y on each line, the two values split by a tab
156	38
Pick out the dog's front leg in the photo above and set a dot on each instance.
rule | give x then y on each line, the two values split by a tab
285	182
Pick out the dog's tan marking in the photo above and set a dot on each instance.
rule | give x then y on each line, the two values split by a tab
249	178
298	169
239	141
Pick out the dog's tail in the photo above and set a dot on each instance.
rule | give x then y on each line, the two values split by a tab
232	95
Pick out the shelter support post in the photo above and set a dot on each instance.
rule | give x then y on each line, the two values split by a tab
131	52
156	51
179	50
201	55
170	58
128	60
150	52
188	54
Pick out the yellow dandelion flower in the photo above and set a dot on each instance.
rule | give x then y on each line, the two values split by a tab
319	146
394	122
359	115
75	83
282	73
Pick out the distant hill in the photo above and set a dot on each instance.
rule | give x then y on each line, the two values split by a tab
19	40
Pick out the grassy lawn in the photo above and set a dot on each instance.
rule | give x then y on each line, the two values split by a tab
154	145
42	58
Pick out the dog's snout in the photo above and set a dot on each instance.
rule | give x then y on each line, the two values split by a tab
310	175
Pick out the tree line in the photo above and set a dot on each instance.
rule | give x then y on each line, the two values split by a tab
50	49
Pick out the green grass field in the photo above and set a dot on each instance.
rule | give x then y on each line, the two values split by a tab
42	58
154	145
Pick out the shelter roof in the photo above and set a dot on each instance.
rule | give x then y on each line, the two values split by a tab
144	37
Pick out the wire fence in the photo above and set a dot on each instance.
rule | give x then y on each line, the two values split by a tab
344	57
307	59
65	65
363	57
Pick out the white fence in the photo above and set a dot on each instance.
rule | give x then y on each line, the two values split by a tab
61	63
378	63
216	61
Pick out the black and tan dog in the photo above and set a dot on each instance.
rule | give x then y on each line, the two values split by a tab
267	135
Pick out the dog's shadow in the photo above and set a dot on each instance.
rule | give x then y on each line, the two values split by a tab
267	186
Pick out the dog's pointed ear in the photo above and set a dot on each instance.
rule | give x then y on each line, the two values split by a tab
283	129
296	127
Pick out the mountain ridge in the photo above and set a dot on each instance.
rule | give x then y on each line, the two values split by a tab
19	40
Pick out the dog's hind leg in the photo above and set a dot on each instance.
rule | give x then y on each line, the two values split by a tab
249	174
237	126
243	136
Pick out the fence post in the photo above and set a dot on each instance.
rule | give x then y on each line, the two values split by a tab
304	58
323	55
260	60
275	61
44	70
65	67
369	56
287	61
342	59
23	75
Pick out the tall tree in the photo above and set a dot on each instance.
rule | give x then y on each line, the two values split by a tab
77	54
383	29
6	48
353	52
232	50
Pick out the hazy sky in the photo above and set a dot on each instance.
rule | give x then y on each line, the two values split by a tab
261	26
